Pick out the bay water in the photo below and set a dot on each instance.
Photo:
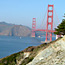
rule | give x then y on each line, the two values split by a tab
12	44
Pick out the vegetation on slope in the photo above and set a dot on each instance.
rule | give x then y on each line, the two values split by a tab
12	59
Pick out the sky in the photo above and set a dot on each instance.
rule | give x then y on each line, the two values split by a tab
22	11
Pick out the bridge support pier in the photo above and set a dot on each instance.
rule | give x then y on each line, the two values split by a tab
46	36
51	36
33	34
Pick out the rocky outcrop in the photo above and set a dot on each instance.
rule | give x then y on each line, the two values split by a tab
52	53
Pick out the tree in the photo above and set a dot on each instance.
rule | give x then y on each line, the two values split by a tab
60	30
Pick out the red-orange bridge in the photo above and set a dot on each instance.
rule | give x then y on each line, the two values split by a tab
49	22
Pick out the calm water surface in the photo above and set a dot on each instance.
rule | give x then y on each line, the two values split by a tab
10	45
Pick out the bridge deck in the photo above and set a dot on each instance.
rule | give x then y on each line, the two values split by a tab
45	30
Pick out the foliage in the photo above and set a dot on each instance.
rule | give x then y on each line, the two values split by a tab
27	60
10	60
60	30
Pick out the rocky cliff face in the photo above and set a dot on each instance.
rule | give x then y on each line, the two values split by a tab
52	53
14	30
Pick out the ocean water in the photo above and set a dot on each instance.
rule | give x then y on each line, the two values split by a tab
10	44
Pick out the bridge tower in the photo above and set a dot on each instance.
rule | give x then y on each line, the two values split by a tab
33	27
49	22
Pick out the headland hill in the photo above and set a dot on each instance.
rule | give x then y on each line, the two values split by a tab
8	29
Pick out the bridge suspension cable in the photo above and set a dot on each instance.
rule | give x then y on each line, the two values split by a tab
43	21
56	22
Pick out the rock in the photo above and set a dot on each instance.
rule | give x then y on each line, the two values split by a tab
54	54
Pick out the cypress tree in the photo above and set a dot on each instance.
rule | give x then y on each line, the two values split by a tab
60	30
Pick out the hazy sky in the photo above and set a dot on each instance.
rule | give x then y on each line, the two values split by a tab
22	11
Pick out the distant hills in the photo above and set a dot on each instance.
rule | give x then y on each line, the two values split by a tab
14	30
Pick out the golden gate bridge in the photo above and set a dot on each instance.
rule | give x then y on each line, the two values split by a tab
49	22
